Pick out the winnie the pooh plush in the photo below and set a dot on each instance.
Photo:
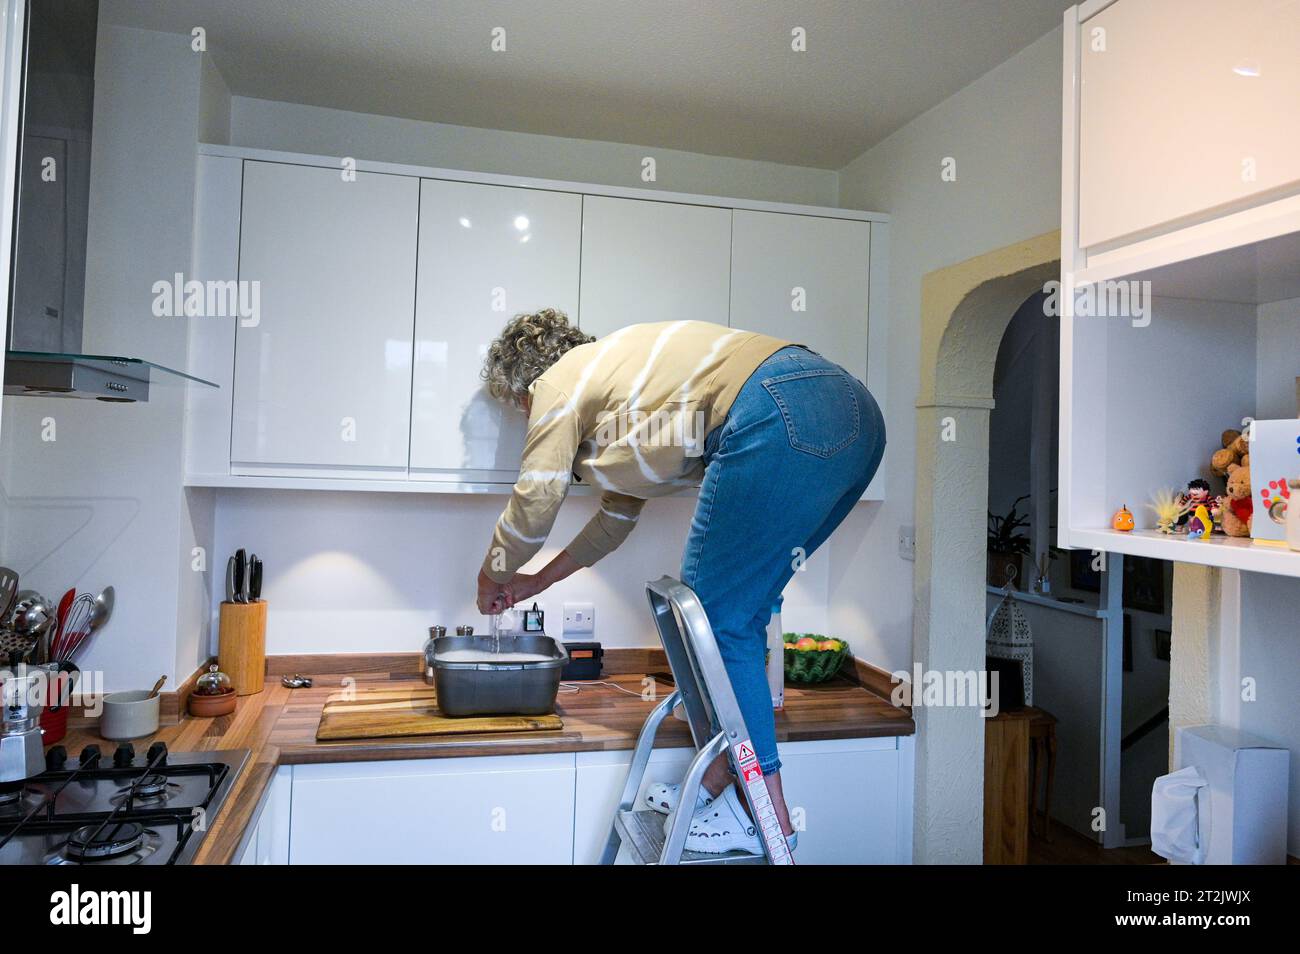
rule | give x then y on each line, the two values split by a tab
1235	451
1237	503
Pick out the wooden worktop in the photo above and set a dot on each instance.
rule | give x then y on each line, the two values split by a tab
278	726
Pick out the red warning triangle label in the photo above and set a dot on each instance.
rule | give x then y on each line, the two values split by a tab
744	753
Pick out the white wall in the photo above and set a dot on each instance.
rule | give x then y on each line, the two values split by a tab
102	503
1004	132
362	572
266	124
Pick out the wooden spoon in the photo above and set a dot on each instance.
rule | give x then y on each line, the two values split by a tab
157	685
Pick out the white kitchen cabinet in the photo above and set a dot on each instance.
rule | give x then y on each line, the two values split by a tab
648	261
267	840
850	799
486	254
805	279
380	292
322	382
601	776
485	810
1186	108
843	796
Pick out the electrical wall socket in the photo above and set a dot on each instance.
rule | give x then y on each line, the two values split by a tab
907	543
579	618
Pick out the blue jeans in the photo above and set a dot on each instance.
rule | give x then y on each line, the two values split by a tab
796	451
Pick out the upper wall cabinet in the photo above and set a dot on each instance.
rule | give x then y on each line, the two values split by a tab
486	254
1186	107
653	261
804	279
380	293
322	382
1179	136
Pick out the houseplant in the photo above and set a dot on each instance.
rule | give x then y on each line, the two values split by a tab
1008	544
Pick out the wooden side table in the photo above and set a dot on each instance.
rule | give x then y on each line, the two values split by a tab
1016	745
1042	753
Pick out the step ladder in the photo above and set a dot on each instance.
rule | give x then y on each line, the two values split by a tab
704	691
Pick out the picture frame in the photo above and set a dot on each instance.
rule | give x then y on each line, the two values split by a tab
1144	585
1162	643
1144	580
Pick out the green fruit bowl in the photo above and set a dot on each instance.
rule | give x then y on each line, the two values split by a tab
809	666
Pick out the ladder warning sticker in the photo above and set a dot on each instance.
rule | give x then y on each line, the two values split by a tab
760	801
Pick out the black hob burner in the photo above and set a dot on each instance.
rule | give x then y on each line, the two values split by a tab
148	809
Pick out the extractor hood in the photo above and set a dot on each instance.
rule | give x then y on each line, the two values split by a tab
44	338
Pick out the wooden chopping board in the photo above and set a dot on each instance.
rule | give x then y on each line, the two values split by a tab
375	713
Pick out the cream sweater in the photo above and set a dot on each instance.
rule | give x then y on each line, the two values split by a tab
628	414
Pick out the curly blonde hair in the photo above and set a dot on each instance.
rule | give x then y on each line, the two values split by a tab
526	347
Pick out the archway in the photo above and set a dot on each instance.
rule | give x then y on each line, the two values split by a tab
965	309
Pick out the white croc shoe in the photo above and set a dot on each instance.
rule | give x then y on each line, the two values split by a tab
663	798
722	826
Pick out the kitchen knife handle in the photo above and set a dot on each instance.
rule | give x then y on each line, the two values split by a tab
254	579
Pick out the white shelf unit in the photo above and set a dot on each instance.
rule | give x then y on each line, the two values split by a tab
469	448
1144	397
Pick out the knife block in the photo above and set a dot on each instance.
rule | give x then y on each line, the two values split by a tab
241	648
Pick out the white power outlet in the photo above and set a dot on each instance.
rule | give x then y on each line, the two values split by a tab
907	543
579	618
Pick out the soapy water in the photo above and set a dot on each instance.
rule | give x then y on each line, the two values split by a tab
498	624
490	656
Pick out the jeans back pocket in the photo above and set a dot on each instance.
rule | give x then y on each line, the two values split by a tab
820	409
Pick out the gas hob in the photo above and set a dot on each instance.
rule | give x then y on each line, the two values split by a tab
151	809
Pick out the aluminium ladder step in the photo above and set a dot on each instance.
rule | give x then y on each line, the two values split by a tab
642	833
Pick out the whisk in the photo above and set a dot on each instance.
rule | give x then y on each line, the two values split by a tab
75	628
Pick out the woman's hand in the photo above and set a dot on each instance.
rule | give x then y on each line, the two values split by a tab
493	597
524	586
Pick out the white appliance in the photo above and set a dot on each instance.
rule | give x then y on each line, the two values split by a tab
1226	803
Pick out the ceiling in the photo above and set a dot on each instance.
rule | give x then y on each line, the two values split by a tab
711	76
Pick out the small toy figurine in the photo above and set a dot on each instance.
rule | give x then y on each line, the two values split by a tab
1167	505
1196	495
1201	525
1123	519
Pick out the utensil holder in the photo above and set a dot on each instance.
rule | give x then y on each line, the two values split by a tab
241	651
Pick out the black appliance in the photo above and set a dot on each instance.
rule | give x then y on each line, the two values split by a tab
123	809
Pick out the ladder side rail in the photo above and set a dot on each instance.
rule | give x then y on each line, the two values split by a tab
636	770
699	714
680	824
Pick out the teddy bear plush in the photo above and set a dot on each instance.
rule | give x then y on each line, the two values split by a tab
1238	506
1235	451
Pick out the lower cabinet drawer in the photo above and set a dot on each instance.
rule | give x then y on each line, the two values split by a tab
495	810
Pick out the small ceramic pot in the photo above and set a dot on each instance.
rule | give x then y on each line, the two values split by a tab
1293	516
205	707
129	715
